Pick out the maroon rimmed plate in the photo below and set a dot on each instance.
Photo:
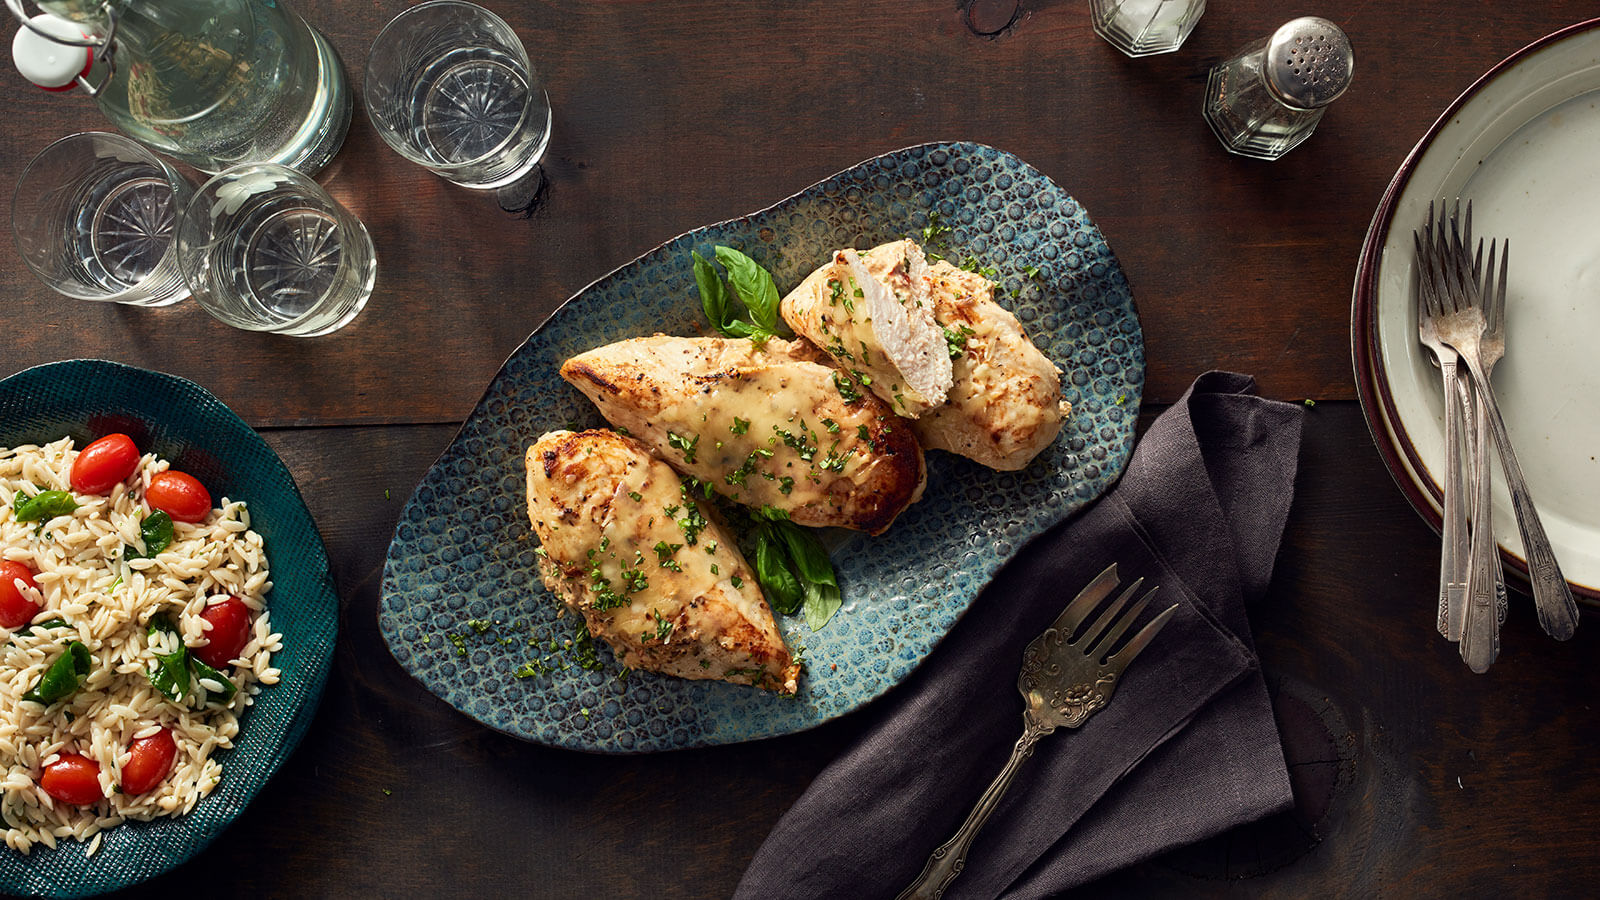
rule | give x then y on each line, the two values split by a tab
1523	145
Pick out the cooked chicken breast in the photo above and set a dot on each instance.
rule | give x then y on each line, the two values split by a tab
624	544
872	316
767	426
1005	406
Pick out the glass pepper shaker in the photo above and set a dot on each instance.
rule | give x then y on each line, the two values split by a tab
1146	27
1267	99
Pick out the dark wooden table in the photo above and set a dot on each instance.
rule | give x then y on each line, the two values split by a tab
1414	777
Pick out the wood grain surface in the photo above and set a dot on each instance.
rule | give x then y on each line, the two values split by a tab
1414	777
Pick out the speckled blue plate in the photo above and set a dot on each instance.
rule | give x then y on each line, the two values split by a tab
463	608
181	421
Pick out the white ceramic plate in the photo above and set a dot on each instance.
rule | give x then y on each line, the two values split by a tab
1523	145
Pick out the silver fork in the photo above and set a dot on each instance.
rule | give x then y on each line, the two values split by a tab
1478	334
1455	549
1064	680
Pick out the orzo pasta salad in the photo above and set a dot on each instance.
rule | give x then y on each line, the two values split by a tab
133	634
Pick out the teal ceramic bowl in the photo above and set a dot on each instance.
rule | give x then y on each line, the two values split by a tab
463	609
185	424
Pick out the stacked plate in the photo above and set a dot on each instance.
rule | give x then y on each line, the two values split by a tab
1521	145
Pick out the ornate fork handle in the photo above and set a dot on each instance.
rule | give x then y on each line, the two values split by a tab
1558	612
947	861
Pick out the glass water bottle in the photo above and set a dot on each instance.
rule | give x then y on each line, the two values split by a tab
210	82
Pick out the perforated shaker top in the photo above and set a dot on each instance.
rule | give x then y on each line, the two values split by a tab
1309	62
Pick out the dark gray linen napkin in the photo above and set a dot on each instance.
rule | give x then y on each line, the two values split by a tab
1188	747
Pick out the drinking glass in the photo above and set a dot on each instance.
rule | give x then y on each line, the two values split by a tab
450	88
93	218
264	248
1146	27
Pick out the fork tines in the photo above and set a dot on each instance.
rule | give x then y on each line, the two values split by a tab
1096	640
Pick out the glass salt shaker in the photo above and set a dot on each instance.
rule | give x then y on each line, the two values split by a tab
1146	27
1267	99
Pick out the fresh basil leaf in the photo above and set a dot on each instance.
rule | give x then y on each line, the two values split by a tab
713	296
50	623
810	557
171	673
822	601
773	570
64	676
44	506
204	673
156	530
754	287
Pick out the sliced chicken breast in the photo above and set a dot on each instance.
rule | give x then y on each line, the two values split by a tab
871	314
767	426
1005	406
625	545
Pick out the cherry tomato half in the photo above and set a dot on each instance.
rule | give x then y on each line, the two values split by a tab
72	779
179	495
16	610
149	763
230	631
104	463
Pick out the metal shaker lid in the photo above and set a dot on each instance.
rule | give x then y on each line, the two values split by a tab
48	51
1308	63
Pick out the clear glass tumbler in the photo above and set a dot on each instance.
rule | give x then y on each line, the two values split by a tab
1146	27
264	248
93	218
449	87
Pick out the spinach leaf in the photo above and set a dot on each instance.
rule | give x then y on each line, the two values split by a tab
171	673
156	530
63	677
810	557
822	601
204	673
753	285
51	623
751	310
44	506
713	296
776	573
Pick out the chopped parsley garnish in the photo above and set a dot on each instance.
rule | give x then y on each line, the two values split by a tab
583	652
479	625
686	445
798	443
530	669
740	426
634	581
663	628
692	524
605	597
786	484
956	339
837	291
831	425
933	234
861	432
737	581
664	553
738	476
635	496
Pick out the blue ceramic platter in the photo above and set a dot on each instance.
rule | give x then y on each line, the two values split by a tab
463	608
182	422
